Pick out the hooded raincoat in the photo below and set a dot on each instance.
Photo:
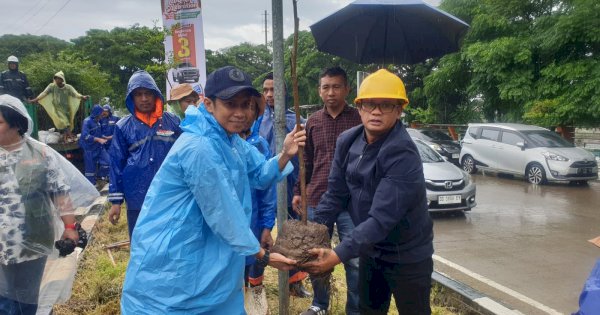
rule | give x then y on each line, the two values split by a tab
138	149
95	157
264	202
193	233
36	184
61	103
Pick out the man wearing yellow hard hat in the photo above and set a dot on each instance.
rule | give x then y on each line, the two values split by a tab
377	176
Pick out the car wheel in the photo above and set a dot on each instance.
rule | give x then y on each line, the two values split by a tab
535	174
468	164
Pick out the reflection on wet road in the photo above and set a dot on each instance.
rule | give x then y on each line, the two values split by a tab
531	239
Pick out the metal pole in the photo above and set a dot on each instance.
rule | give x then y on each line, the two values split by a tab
280	132
266	31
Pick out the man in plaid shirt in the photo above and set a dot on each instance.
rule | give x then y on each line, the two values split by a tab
322	130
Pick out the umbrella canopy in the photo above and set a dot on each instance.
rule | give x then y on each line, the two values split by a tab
389	31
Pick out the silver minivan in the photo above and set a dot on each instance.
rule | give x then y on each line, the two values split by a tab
534	152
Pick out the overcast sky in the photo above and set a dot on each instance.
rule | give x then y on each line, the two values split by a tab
226	22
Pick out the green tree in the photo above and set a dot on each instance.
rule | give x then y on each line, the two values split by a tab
569	60
24	45
255	60
533	60
121	52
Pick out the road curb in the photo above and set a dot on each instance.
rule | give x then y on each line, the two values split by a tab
466	299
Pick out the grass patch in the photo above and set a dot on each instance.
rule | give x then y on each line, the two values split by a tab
337	301
98	284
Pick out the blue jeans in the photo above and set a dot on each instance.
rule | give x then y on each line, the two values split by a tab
321	285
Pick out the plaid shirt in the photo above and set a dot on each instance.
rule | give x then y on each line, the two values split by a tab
322	131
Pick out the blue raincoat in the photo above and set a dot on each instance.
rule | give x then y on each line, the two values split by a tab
108	124
95	157
267	131
138	150
264	202
193	233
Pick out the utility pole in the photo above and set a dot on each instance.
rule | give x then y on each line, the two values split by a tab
266	30
280	131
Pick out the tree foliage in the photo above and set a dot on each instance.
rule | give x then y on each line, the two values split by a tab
535	61
24	45
255	60
121	52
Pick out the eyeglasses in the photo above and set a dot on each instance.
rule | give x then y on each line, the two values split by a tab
383	107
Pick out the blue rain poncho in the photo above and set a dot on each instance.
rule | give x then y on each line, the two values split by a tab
138	150
193	233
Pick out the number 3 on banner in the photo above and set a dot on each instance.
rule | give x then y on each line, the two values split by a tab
185	48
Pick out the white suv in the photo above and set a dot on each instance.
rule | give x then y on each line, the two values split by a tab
537	153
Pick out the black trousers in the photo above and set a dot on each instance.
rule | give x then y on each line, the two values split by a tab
409	283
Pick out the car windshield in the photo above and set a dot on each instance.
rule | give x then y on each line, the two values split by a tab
546	139
428	155
436	135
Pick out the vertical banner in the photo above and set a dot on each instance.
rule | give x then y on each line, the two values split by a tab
184	44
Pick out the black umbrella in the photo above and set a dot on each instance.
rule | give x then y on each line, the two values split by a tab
389	31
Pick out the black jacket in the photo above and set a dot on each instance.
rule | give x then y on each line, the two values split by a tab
382	186
14	82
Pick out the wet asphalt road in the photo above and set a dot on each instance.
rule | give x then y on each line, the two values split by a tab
523	245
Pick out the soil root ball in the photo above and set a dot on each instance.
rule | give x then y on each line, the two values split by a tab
295	239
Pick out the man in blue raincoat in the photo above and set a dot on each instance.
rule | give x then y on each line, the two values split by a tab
140	143
108	123
264	208
193	234
95	157
267	131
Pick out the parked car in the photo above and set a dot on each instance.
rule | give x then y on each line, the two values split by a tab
534	152
448	187
185	72
439	141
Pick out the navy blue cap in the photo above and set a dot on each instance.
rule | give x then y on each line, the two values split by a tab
226	82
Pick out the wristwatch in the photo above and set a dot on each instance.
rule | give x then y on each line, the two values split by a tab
264	261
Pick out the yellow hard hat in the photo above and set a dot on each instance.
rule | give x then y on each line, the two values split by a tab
382	84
